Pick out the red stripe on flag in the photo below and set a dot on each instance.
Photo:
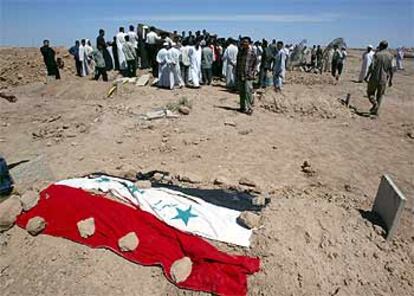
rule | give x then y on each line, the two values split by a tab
159	244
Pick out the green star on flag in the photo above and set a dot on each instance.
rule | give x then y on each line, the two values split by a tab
184	215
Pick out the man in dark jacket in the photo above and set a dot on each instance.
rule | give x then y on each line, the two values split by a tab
49	59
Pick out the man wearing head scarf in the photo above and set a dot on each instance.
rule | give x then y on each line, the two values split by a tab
165	75
367	58
230	61
120	41
245	74
379	75
49	58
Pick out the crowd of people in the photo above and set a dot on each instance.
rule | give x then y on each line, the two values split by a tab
191	60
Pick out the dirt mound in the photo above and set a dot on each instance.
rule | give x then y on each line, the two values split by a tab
293	105
20	66
305	78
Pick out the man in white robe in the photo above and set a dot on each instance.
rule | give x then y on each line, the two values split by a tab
367	58
83	59
133	38
279	67
230	59
165	73
175	57
120	41
400	58
194	53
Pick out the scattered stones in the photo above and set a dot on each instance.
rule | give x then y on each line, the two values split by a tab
9	210
190	178
9	97
259	200
35	225
29	199
245	132
307	169
129	242
20	76
184	110
143	80
130	174
86	227
230	123
157	177
249	219
181	269
220	181
143	184
246	182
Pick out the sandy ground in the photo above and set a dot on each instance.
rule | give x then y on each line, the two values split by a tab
314	240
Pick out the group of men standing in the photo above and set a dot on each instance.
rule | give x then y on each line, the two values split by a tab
193	60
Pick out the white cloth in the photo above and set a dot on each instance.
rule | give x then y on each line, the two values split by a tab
367	58
195	65
175	56
120	41
165	73
230	59
133	38
184	212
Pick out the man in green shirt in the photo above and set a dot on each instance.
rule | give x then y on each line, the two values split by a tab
379	75
130	56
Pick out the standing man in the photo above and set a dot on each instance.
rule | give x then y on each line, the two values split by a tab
230	60
175	57
120	42
185	61
100	41
338	61
400	58
206	62
380	74
74	51
367	58
194	53
279	67
266	65
133	38
319	59
83	59
165	75
245	74
152	40
131	57
100	64
49	58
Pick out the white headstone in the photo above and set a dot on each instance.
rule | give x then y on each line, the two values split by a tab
389	204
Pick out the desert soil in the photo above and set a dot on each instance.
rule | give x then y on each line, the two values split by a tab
314	239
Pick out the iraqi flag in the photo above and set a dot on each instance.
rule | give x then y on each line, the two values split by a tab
187	260
182	211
